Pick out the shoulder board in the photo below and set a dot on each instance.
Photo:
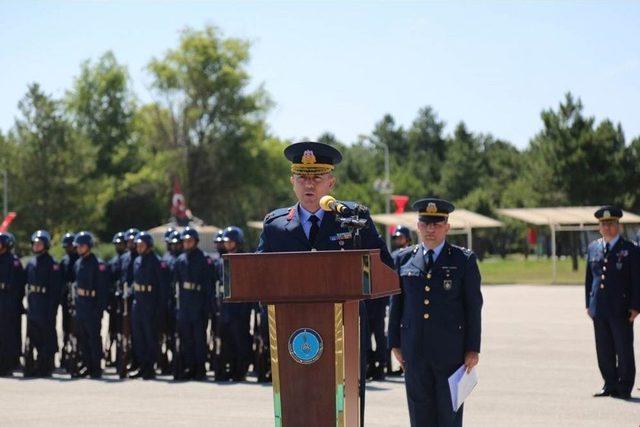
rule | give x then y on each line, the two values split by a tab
277	214
464	250
414	250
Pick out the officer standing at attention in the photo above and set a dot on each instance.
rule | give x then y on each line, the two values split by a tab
19	297
195	275
400	239
44	283
148	277
173	241
66	266
235	321
115	274
91	291
11	290
612	288
434	326
305	226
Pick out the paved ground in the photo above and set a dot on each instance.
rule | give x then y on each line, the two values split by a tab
537	368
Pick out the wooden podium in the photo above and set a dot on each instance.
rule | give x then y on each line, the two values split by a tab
314	337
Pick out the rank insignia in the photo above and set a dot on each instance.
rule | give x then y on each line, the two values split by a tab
447	284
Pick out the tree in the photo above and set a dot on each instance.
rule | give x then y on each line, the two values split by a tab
217	122
462	167
53	165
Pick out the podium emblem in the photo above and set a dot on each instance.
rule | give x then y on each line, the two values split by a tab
305	346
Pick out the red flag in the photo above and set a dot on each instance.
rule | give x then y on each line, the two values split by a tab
178	202
7	221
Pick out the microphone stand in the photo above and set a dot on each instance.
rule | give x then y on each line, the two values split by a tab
354	224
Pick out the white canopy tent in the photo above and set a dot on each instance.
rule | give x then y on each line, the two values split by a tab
573	218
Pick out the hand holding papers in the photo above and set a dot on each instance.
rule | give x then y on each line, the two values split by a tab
461	384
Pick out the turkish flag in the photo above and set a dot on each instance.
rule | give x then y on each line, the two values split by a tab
178	202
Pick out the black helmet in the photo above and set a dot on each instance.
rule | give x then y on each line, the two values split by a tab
190	233
168	233
12	242
118	238
145	237
176	237
83	238
41	236
219	236
67	240
234	234
5	240
131	233
402	231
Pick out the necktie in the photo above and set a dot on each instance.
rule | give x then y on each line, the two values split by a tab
606	249
429	259
313	232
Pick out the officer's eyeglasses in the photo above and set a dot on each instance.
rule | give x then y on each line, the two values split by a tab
316	179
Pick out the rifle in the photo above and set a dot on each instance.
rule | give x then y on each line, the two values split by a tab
218	365
71	343
29	361
111	336
176	356
261	363
123	344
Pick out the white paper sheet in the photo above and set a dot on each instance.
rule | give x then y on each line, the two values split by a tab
461	384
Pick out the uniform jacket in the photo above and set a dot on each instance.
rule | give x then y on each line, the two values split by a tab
194	269
151	273
12	281
44	283
612	283
91	286
437	316
283	232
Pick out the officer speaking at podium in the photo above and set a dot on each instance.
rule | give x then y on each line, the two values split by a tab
307	227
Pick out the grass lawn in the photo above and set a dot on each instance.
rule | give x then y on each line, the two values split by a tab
517	269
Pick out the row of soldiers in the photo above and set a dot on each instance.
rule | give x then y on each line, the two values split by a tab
165	314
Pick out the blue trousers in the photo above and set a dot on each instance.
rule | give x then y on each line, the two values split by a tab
614	347
193	341
87	329
428	394
144	331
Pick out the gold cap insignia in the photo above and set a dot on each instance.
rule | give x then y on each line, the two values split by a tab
606	214
308	158
432	208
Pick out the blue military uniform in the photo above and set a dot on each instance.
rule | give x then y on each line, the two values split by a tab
149	274
235	326
12	282
612	289
44	284
435	320
195	276
91	294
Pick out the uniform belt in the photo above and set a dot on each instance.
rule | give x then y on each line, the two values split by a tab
37	289
86	292
142	288
191	286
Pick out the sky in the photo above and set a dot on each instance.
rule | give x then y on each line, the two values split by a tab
339	67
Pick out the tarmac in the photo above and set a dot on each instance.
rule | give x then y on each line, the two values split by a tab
537	368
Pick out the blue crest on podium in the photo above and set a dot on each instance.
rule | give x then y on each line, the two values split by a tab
305	346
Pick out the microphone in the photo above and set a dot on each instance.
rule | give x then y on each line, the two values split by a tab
330	204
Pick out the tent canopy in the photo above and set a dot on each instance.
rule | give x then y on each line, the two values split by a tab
460	219
576	215
207	234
